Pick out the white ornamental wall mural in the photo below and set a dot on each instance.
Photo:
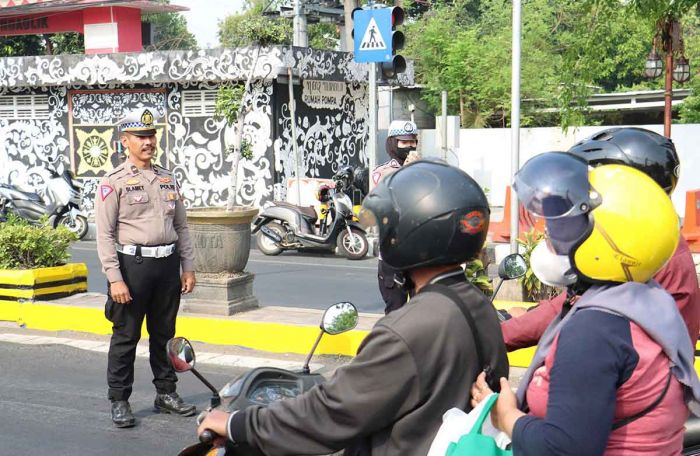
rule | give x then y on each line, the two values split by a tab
29	148
329	137
98	89
198	150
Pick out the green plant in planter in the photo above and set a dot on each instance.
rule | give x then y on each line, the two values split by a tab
477	275
232	107
534	289
25	246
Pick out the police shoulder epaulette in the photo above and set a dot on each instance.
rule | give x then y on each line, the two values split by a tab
163	169
116	170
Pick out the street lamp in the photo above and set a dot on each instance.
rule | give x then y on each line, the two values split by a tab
681	73
653	66
668	32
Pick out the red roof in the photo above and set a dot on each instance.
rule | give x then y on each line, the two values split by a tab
29	7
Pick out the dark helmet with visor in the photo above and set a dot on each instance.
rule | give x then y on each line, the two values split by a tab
649	152
428	214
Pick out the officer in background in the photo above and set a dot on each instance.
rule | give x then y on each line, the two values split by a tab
142	241
401	144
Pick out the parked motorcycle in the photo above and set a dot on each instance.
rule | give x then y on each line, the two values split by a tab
284	226
61	204
259	386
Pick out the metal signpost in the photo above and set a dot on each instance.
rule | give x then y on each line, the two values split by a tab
515	125
373	43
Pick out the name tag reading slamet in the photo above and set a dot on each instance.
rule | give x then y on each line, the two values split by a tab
134	188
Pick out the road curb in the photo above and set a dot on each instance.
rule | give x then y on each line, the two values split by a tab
269	336
272	329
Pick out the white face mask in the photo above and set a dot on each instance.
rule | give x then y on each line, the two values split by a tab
552	269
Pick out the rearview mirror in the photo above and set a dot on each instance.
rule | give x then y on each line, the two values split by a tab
180	354
512	267
339	318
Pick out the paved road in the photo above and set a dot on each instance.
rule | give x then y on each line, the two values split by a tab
53	401
308	280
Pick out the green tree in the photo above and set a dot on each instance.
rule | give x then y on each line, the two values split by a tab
690	109
12	46
171	31
571	49
611	46
251	27
470	59
67	43
57	43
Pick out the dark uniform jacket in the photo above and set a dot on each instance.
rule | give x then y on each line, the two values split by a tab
415	364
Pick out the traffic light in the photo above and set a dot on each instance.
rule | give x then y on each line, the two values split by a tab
398	63
352	31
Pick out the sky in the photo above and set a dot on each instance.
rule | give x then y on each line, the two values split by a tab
204	16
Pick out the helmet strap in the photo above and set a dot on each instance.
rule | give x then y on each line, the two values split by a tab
404	281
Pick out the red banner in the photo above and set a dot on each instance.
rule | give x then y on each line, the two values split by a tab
39	24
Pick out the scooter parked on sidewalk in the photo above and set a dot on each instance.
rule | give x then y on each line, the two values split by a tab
259	386
61	204
285	226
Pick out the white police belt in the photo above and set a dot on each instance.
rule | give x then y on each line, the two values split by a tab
162	251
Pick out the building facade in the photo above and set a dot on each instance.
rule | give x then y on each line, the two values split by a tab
60	112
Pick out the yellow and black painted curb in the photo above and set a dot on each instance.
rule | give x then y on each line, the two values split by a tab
43	284
258	335
264	336
267	336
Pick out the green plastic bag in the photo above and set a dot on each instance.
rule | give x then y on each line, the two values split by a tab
475	443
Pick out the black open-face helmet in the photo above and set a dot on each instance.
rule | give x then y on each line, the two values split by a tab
428	214
649	152
344	178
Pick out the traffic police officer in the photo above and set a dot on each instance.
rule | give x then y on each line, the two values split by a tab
142	241
401	144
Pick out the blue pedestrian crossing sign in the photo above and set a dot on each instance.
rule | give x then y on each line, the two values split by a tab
373	35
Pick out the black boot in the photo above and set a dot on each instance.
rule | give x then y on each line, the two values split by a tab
172	403
121	414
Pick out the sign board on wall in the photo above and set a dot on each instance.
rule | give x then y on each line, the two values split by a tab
323	94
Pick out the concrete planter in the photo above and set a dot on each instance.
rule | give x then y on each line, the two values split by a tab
221	241
45	284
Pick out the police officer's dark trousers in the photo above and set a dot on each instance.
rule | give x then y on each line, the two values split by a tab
393	294
154	285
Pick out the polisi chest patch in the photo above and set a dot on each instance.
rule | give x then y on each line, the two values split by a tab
167	186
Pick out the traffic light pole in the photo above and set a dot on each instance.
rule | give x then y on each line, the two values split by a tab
372	149
515	125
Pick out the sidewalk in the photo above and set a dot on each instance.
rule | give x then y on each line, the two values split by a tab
274	330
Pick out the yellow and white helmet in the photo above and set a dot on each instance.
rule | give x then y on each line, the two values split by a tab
613	222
